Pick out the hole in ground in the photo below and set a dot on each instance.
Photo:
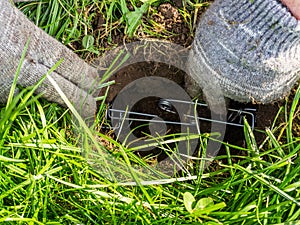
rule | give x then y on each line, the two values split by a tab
265	114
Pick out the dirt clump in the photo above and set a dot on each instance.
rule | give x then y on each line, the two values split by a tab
169	20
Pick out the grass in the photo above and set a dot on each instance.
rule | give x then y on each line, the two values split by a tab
45	178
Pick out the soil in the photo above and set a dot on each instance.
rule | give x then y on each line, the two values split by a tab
171	20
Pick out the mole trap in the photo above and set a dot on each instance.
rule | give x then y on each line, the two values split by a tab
149	115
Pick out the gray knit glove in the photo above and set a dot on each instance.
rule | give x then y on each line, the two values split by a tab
74	76
251	48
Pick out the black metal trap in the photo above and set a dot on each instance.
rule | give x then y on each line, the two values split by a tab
164	112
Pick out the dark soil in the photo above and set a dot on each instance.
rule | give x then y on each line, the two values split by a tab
171	21
169	18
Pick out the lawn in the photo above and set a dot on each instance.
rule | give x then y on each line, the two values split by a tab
45	178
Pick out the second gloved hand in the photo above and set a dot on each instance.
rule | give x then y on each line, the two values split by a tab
74	76
248	49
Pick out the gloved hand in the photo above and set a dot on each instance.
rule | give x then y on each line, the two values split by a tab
74	76
251	49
